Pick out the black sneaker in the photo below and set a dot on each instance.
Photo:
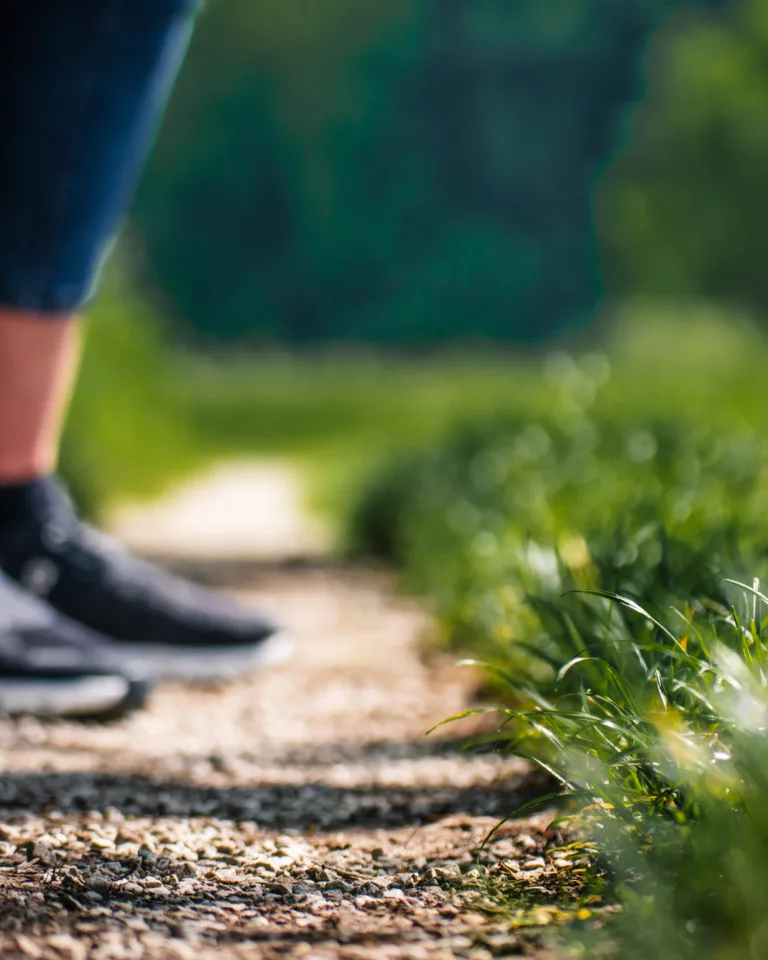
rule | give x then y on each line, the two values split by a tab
51	667
161	626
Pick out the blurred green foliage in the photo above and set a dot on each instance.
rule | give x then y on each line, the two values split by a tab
683	212
641	471
146	412
414	171
127	433
339	415
411	172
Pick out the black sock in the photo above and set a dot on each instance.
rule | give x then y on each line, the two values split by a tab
20	500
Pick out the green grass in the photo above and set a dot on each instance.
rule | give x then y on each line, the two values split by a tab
656	731
581	549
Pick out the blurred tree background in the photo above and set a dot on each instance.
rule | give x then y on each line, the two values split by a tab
416	173
684	209
425	170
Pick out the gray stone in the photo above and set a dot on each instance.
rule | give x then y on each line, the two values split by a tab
41	852
99	883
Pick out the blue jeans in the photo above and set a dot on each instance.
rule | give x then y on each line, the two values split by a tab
83	84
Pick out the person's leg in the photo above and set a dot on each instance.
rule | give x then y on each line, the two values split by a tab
82	84
38	360
82	87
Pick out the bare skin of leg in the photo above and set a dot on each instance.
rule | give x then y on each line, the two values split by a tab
38	360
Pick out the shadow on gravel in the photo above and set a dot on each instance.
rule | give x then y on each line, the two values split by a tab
234	572
282	807
318	756
372	754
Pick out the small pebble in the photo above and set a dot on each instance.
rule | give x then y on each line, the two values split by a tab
99	883
147	857
41	852
435	892
339	885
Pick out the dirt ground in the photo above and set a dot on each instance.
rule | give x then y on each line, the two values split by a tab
300	812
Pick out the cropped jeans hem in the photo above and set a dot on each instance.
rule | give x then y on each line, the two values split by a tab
83	85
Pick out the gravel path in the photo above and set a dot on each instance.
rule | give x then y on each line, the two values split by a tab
300	812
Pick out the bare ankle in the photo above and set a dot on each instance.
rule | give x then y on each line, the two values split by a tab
38	358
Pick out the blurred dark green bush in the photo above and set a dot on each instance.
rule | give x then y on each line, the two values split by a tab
683	211
408	172
647	480
504	519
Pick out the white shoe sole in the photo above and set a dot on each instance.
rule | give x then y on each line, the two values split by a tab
79	697
206	665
